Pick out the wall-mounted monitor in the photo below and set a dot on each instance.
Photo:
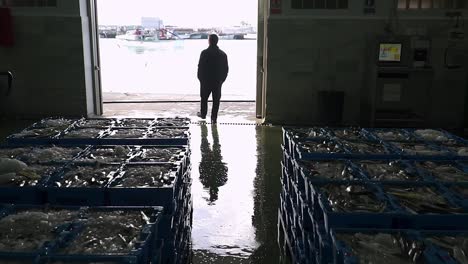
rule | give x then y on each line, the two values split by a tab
390	52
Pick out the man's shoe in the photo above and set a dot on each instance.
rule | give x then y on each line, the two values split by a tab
213	121
200	116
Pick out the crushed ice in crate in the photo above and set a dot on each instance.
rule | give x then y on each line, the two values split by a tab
329	170
431	135
388	171
134	123
38	133
462	191
97	123
159	155
381	248
417	149
59	123
84	133
26	176
87	176
421	200
44	154
313	132
173	122
146	176
107	233
393	135
457	246
168	133
26	231
11	153
352	199
349	133
127	133
459	149
321	147
362	147
443	171
107	154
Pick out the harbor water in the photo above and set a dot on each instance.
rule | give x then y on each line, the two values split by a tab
168	69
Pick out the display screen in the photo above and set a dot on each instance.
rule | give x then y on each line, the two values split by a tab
390	52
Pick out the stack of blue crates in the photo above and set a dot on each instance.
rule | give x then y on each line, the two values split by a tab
60	234
341	185
105	163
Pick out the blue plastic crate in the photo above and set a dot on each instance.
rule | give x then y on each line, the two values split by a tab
93	137
458	150
172	122
134	123
300	151
146	138
435	135
135	195
379	217
288	242
323	243
382	171
101	123
145	141
345	253
391	134
432	215
31	255
420	151
29	193
445	250
443	171
369	149
107	154
459	192
350	133
145	154
142	251
80	194
291	134
287	160
308	172
39	133
157	252
32	154
309	248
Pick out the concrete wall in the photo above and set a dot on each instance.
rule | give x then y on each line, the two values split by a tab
314	50
47	61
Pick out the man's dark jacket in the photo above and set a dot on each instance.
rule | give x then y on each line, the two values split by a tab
213	66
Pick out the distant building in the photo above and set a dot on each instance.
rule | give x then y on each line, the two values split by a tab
152	22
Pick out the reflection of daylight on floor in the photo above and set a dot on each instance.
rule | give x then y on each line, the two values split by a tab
222	189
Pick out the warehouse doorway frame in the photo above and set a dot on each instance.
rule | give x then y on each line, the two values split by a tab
97	95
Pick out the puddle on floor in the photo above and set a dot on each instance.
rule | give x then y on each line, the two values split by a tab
236	185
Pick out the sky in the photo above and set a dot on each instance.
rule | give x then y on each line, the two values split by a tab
188	13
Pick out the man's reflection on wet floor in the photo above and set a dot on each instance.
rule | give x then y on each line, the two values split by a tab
213	171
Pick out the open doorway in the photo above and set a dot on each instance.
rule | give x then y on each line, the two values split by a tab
149	49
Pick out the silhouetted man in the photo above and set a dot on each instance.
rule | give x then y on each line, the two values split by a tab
212	72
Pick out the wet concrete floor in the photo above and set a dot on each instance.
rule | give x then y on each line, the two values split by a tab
236	185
